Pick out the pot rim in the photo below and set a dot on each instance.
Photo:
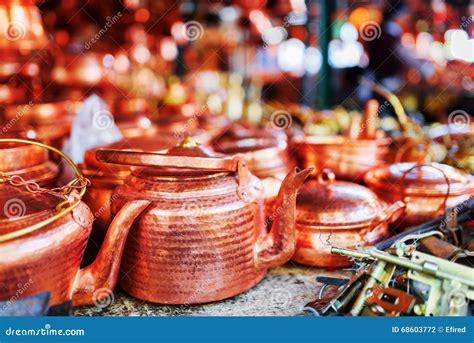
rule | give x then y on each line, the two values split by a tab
338	140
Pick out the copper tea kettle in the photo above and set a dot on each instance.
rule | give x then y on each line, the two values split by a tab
203	237
43	235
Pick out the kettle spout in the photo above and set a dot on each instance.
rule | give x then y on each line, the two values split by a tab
278	246
95	282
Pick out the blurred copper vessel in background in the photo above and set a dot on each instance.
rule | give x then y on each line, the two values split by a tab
132	117
351	156
106	177
349	159
21	26
337	213
203	236
50	121
427	189
29	162
266	152
43	235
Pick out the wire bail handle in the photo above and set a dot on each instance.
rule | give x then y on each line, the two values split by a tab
70	202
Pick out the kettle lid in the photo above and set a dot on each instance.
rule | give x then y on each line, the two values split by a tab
337	203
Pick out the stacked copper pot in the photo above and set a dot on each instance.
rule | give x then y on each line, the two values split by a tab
349	156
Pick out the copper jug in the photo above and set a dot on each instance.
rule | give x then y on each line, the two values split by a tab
330	212
43	235
427	188
203	237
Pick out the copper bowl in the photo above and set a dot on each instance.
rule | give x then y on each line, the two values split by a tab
348	158
337	213
427	189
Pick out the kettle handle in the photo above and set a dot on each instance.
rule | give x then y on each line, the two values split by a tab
65	207
154	159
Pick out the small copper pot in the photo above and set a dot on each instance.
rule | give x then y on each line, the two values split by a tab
43	235
427	189
203	236
348	158
266	152
106	177
28	162
336	213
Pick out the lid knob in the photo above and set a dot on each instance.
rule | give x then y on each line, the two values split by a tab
189	142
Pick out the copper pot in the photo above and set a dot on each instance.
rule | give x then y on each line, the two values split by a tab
104	177
51	121
330	212
203	236
352	155
427	189
27	162
43	235
266	152
348	158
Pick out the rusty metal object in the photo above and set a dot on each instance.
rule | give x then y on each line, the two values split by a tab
330	212
43	235
427	189
203	237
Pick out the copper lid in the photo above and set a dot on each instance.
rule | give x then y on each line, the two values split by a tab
150	144
327	202
187	159
421	179
22	208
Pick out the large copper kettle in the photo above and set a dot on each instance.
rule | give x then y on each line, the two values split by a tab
330	212
203	237
43	235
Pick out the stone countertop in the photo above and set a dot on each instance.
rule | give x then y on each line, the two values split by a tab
283	292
